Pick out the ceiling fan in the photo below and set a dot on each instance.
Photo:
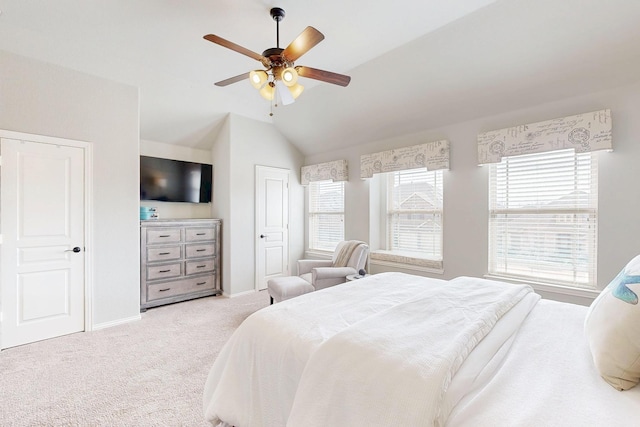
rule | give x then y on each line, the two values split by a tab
280	74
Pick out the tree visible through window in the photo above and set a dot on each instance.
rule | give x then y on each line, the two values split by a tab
326	215
543	212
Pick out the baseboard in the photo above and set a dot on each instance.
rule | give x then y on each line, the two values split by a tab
116	322
226	295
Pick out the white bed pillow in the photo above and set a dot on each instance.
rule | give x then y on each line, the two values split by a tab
612	328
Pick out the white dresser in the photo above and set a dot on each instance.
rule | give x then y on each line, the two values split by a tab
179	260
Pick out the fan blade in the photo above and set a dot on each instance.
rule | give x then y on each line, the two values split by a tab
325	76
302	44
230	45
232	80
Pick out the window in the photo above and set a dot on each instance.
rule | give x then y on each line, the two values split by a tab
413	218
326	214
543	212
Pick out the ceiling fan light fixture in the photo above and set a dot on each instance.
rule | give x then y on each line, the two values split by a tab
279	80
268	91
289	76
258	78
296	90
283	94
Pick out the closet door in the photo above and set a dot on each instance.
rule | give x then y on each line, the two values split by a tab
43	235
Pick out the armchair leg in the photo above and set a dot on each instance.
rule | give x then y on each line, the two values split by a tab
271	300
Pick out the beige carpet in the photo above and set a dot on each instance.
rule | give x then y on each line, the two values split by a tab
145	373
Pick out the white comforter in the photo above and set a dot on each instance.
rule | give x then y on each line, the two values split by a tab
548	379
377	351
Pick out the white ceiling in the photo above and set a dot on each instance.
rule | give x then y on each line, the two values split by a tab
415	64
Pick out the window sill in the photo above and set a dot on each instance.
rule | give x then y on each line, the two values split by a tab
549	287
389	259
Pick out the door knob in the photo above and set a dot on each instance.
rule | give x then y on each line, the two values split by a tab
262	236
76	249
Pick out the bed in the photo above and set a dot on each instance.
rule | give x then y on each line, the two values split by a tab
400	350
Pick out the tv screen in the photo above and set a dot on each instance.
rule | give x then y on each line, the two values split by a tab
168	180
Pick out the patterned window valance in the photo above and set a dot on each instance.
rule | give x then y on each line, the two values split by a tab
432	155
584	132
334	171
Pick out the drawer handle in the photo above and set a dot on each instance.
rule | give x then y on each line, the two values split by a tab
201	283
200	250
200	266
164	271
200	234
163	290
164	253
165	235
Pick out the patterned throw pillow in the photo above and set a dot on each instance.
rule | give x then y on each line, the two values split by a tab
612	328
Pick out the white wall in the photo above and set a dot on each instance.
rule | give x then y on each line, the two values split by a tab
466	194
221	158
44	99
169	210
244	143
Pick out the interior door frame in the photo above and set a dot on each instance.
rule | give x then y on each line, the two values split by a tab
257	219
87	147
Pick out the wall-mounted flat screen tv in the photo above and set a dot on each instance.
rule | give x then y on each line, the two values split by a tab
168	180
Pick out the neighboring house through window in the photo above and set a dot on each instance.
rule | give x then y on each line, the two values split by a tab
412	230
326	215
543	217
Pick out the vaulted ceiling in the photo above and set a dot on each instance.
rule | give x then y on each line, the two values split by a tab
415	64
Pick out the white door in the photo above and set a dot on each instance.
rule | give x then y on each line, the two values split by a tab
272	224
42	220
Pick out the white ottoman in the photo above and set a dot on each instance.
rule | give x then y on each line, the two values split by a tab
282	288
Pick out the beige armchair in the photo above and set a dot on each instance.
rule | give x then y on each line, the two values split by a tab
349	257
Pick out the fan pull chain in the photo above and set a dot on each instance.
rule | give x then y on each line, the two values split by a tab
273	101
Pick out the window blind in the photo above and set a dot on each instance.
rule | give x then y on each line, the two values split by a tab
414	213
543	213
326	214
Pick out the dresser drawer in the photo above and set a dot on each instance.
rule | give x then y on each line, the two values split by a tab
179	260
166	253
179	287
164	235
199	234
164	271
203	266
196	251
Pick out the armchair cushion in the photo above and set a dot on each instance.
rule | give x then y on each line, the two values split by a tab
306	265
308	277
